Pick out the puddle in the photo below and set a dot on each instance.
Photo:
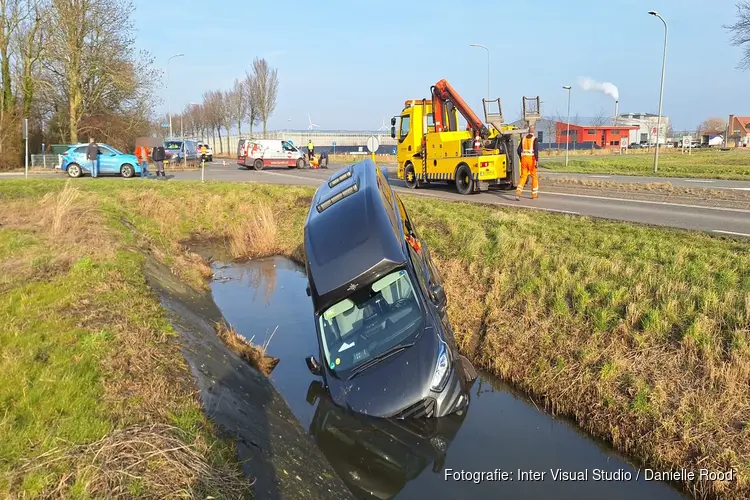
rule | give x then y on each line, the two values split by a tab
500	432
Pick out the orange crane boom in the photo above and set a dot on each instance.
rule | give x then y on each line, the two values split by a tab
443	96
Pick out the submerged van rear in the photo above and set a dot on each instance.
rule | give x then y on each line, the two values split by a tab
385	343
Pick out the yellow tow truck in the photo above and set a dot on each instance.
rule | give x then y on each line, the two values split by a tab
432	149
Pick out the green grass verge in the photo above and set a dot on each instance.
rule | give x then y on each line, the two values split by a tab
639	333
707	165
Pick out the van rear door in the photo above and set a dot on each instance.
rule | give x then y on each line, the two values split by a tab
241	151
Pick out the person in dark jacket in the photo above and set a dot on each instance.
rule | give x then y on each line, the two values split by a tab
158	155
323	156
92	155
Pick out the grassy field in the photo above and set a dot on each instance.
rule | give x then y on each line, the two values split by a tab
704	164
640	334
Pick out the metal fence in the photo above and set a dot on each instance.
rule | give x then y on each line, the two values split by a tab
345	140
45	161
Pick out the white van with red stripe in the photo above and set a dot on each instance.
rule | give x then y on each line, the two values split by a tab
261	153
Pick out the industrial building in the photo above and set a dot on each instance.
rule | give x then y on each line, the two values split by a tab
642	127
607	136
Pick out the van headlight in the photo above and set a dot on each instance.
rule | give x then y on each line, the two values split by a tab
443	368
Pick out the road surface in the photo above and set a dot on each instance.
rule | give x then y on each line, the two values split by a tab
719	220
637	179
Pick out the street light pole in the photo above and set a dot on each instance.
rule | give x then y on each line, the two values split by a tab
488	65
169	93
661	91
567	134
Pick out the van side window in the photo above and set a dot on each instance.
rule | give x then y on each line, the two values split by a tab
405	127
287	146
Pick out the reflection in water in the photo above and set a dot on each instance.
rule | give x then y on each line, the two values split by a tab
377	457
261	277
384	458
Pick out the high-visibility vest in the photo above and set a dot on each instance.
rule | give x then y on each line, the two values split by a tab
310	146
528	146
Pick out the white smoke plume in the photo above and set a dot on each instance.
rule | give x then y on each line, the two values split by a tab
607	88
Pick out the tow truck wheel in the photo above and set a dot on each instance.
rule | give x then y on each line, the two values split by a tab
464	180
410	177
258	164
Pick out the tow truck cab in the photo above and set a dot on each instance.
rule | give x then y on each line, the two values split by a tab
386	347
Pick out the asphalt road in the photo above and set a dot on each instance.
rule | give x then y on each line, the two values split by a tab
719	220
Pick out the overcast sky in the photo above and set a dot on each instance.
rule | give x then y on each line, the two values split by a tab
351	64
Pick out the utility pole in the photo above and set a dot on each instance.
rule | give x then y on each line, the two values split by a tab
661	91
567	134
169	94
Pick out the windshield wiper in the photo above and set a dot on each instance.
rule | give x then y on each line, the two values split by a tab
380	357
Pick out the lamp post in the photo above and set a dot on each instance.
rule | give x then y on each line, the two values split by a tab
567	134
661	91
488	65
169	93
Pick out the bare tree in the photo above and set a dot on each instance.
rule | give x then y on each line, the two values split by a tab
713	125
600	118
251	88
238	99
266	87
741	32
30	41
92	60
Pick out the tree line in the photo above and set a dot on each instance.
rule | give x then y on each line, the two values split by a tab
251	100
71	68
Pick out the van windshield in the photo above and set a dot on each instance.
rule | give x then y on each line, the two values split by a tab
370	322
173	145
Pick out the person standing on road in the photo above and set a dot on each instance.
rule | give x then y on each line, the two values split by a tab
141	152
157	155
92	155
528	152
310	149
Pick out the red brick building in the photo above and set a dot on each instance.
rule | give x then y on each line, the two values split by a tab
604	136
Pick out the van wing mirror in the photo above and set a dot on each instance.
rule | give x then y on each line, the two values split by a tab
438	293
314	366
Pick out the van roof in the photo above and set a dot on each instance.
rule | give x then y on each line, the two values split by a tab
353	232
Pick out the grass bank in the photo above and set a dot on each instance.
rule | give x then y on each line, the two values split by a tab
96	399
706	164
640	334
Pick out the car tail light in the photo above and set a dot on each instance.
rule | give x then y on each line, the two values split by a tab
484	164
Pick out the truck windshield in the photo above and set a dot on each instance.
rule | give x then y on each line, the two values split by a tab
370	322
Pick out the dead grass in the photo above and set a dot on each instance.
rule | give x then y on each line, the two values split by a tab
155	461
256	235
253	354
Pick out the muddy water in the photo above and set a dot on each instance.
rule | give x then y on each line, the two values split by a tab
519	447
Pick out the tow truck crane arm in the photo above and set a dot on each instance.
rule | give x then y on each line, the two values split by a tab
442	91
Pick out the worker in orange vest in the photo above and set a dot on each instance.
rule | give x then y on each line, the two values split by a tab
528	151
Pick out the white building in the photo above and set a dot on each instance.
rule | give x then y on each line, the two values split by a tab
646	123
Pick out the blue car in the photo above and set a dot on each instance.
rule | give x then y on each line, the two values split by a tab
111	162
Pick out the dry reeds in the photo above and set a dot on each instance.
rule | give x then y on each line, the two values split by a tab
253	354
57	209
144	461
255	236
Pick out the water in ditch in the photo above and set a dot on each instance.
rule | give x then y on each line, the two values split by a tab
501	433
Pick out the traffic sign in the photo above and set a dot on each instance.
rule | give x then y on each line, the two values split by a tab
372	144
165	125
333	144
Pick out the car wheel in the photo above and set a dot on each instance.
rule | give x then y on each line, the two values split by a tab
74	170
300	163
127	171
464	180
210	159
410	177
258	164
